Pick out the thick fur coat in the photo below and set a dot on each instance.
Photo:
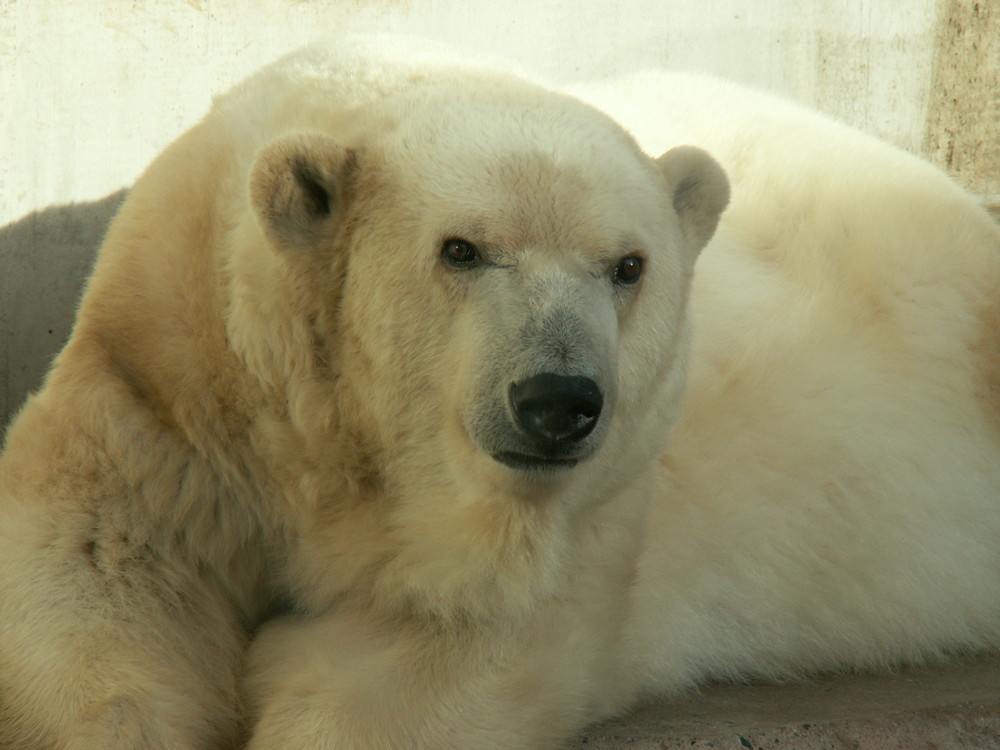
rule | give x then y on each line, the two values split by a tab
397	414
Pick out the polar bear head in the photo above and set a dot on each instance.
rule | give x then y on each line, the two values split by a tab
470	292
505	275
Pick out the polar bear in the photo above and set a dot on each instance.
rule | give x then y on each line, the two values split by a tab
397	414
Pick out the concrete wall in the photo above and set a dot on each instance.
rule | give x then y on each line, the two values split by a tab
93	89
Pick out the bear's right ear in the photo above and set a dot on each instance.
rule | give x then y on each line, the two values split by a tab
297	187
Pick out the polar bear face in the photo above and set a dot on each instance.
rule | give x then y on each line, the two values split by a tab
514	273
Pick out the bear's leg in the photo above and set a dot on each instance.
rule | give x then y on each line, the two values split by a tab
142	654
341	682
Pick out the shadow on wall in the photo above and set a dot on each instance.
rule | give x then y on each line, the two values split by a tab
45	258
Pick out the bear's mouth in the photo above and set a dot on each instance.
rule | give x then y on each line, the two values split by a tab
526	462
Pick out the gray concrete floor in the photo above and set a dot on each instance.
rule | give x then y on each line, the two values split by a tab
949	707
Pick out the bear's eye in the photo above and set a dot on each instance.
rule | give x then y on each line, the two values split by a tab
628	270
460	253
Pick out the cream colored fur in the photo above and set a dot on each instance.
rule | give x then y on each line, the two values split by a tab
255	501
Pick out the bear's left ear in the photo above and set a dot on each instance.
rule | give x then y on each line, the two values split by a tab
700	191
297	188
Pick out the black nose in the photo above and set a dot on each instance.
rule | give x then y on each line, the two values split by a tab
557	410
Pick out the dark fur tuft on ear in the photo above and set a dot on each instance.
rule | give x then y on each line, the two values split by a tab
297	187
700	192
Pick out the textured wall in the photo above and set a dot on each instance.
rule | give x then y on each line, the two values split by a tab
962	132
93	89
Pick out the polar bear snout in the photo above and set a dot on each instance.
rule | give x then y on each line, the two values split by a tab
556	411
545	388
552	416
